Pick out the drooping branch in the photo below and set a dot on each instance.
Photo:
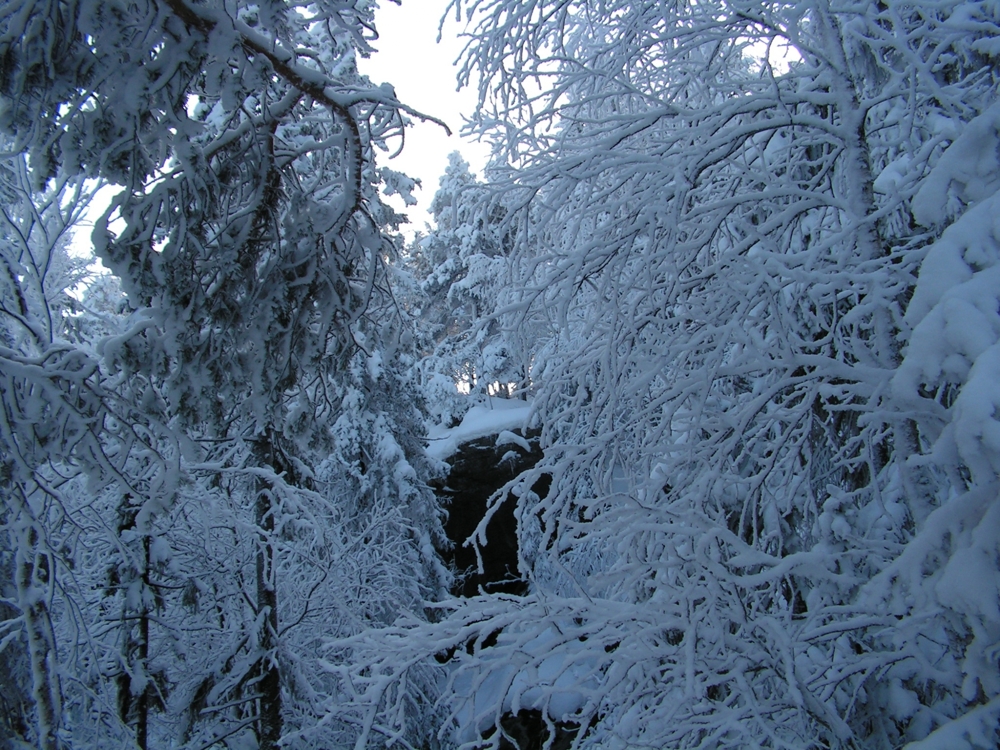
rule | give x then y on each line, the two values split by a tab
313	84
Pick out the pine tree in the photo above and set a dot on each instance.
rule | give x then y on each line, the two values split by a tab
259	342
461	266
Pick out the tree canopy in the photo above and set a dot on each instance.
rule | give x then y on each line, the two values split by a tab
238	431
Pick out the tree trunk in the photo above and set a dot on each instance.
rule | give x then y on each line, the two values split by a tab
269	723
142	658
34	576
134	683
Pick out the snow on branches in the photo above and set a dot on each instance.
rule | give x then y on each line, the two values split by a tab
250	391
752	411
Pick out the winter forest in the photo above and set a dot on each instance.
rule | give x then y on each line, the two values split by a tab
731	279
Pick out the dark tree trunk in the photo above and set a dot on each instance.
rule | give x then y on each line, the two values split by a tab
269	723
34	571
133	706
142	658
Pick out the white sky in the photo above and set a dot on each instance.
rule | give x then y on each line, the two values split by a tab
423	74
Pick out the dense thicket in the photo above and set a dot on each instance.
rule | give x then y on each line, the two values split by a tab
742	254
207	476
753	261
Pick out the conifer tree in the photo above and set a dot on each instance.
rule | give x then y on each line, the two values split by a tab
243	400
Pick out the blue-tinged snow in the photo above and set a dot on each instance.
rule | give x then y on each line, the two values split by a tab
969	169
553	677
971	731
496	417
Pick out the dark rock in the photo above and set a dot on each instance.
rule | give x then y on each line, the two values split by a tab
478	469
526	730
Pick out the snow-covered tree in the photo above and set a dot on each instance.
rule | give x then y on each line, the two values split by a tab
52	395
769	455
440	263
946	580
274	455
462	269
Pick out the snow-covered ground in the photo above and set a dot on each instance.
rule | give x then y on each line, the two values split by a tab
496	416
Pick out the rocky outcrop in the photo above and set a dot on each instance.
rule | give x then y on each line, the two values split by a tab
527	730
478	469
